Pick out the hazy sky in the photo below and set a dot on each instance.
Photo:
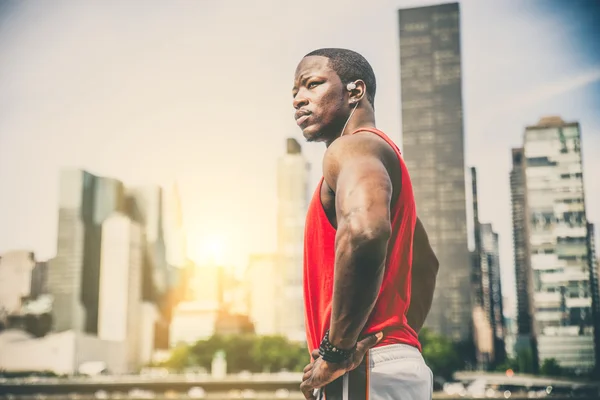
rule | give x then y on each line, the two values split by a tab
201	92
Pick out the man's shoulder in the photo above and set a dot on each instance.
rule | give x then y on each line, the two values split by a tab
360	144
358	152
361	147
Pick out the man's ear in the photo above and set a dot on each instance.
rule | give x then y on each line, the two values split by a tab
358	90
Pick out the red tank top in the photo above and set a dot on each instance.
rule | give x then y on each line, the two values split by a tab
389	313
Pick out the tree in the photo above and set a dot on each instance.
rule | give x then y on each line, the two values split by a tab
440	354
271	352
180	358
523	363
238	352
203	351
246	352
551	367
298	358
508	363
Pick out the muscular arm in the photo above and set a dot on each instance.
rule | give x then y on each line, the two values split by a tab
363	192
424	271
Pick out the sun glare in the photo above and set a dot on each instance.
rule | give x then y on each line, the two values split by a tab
210	250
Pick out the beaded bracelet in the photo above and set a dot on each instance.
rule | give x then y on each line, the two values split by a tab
330	353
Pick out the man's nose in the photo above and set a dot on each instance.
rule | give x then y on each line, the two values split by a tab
299	101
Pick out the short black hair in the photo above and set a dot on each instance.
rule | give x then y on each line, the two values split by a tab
350	66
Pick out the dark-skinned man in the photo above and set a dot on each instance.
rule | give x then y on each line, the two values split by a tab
369	272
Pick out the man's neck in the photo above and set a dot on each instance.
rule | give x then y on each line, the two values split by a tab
359	120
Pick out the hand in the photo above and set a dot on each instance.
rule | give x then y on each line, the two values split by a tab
319	372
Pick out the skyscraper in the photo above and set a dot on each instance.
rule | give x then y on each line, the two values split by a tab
120	283
557	250
145	206
521	251
482	327
491	256
158	211
292	185
525	339
432	129
74	274
487	290
108	197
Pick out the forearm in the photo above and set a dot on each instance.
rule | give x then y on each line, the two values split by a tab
359	267
422	288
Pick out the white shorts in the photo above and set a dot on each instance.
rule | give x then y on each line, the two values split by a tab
391	372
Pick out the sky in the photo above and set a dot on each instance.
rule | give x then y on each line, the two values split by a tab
200	93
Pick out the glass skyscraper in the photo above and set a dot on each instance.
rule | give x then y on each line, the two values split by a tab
432	130
74	274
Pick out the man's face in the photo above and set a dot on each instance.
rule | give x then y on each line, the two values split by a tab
319	99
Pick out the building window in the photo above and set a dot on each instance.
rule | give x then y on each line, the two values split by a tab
415	27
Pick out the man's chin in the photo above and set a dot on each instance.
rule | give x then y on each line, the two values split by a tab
311	135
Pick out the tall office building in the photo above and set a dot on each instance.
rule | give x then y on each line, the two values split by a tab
482	327
158	211
525	337
557	249
120	283
65	274
487	290
491	257
108	197
292	189
86	203
177	261
146	208
432	129
85	200
179	291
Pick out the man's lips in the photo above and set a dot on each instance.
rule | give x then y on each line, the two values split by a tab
302	119
301	116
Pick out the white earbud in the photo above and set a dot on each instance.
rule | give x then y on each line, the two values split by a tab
351	86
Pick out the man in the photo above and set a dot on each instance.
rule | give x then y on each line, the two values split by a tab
360	236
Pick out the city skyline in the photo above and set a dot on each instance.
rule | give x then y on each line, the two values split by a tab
147	87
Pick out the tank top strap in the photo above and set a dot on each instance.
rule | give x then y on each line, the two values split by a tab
381	135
